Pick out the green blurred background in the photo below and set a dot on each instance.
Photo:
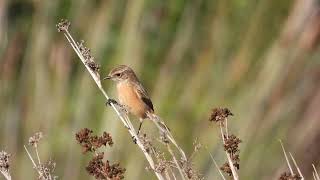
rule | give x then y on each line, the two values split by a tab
260	58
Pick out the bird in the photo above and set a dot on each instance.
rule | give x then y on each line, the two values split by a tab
133	96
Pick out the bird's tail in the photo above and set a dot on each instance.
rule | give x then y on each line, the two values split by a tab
166	131
159	123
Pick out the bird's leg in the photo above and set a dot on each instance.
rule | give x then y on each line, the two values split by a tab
122	107
140	125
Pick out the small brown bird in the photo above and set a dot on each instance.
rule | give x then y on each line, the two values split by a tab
132	95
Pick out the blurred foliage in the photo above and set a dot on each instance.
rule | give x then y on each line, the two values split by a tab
258	58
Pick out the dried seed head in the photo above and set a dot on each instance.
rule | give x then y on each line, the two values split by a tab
46	171
197	145
103	170
190	170
4	161
162	164
91	142
35	139
63	25
232	144
146	142
220	114
226	169
89	59
288	176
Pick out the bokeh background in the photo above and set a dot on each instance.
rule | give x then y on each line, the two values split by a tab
260	58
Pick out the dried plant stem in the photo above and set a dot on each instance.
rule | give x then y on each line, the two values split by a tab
6	175
285	155
36	148
170	137
314	176
226	127
183	175
297	167
174	177
125	120
215	163
168	134
30	157
316	172
233	169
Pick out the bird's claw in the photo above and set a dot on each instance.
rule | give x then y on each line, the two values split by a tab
134	139
111	101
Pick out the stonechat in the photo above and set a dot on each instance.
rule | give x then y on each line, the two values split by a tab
132	95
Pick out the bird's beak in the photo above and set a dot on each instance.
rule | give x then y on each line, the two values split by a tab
108	77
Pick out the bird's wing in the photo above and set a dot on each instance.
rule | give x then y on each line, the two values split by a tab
142	93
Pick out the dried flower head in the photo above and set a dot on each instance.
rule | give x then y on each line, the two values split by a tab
103	170
89	59
63	25
190	170
46	171
220	114
91	142
231	144
288	176
4	161
226	169
146	142
197	145
35	139
162	164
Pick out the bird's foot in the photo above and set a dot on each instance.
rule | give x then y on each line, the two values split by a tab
111	101
119	106
134	139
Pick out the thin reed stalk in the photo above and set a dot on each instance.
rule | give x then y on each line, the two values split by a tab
297	167
287	160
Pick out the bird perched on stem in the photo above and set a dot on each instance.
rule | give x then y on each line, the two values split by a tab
132	96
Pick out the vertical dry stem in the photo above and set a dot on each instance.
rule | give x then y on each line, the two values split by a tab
233	169
296	165
183	175
215	163
285	155
315	172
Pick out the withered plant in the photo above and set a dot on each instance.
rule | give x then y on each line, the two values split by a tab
98	167
45	170
230	142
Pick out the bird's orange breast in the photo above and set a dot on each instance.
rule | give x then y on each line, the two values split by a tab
128	96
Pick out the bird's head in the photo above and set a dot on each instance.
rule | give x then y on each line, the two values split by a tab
120	73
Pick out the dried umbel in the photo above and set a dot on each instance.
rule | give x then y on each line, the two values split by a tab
35	139
226	169
288	176
162	164
231	144
91	142
46	171
220	114
190	170
89	59
63	25
97	167
104	170
146	143
4	161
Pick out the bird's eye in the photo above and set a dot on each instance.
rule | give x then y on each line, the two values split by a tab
118	74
